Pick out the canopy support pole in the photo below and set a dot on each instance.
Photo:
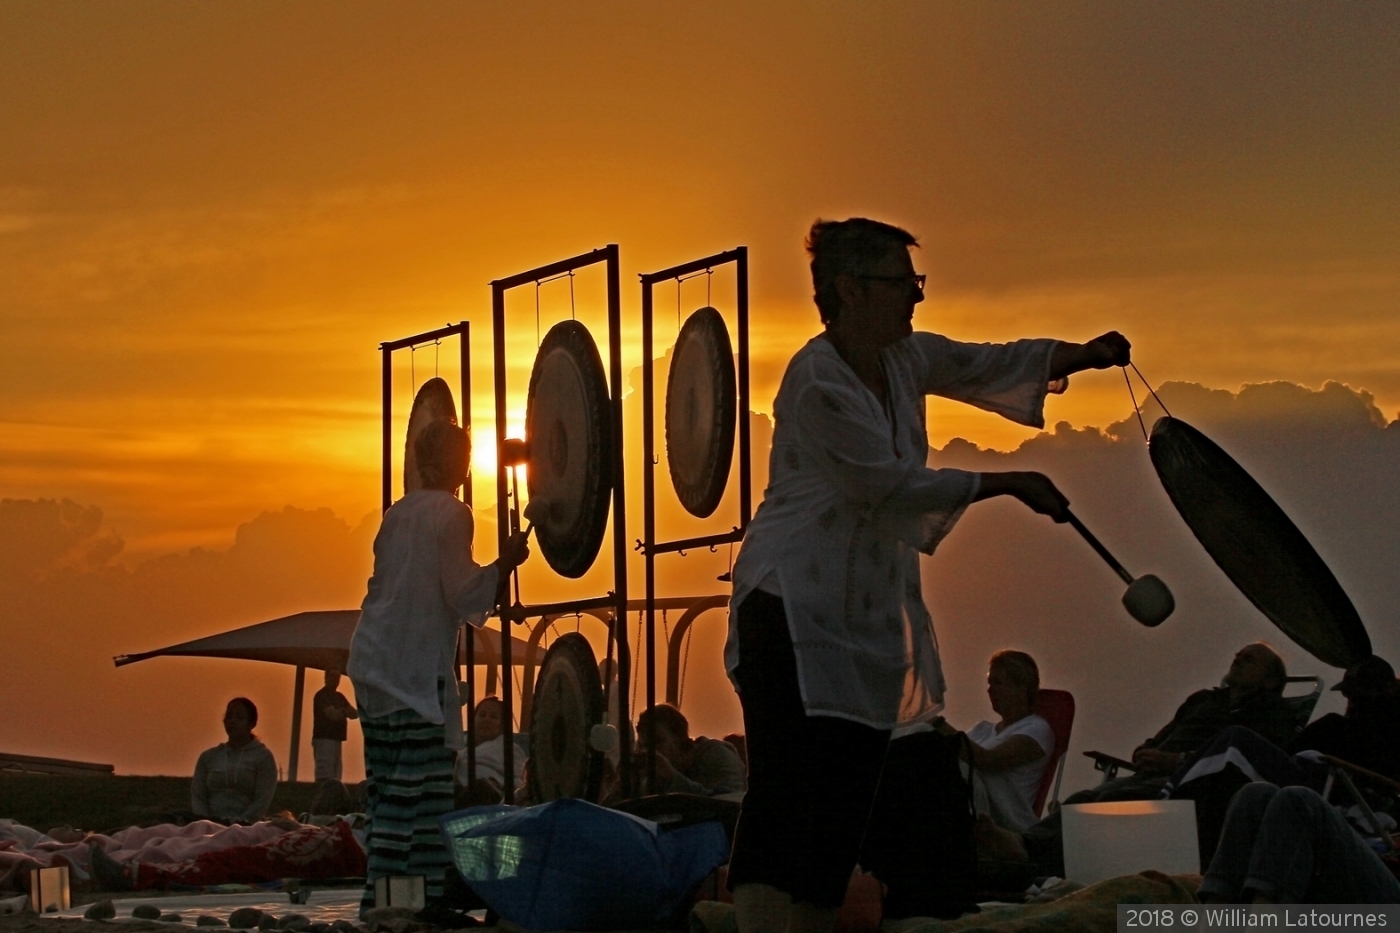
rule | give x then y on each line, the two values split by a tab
298	692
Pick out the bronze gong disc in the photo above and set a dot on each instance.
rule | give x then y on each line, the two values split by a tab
700	412
433	401
568	703
568	424
1256	544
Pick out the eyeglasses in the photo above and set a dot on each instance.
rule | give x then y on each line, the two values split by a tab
916	280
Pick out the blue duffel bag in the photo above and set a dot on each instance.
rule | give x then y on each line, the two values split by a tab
572	865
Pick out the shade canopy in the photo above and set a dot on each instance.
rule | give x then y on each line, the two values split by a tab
317	640
1257	545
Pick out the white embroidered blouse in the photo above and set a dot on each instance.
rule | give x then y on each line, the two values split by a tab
851	501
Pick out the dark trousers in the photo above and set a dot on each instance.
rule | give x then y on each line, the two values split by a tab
812	779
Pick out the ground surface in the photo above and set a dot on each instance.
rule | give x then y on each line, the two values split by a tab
104	804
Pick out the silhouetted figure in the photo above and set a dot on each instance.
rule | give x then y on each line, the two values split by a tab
830	644
234	782
329	712
1368	734
425	584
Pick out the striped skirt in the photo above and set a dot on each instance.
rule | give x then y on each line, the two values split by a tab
409	784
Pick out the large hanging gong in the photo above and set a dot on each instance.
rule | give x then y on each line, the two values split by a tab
568	703
568	424
1256	545
433	401
700	412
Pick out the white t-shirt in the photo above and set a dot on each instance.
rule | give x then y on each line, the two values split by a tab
491	763
1010	794
850	504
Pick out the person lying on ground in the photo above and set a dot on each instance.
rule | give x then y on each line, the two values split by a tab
23	849
1010	755
1368	733
311	853
702	766
234	782
1288	846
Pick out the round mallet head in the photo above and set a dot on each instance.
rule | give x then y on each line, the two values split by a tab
1148	600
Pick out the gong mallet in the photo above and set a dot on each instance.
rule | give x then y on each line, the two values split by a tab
1147	598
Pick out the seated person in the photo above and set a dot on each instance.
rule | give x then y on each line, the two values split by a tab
488	738
1287	846
1368	734
1009	756
1251	696
234	782
702	766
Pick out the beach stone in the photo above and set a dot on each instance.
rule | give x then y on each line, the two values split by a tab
268	922
245	918
102	910
319	928
390	919
294	922
345	926
146	912
171	918
209	920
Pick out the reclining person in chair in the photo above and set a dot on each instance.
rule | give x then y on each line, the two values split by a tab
1250	696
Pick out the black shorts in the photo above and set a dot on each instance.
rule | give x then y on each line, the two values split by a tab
812	779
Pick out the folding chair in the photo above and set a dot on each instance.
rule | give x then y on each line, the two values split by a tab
1057	708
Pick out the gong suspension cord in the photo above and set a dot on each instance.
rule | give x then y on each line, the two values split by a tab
685	664
1131	394
636	654
610	666
681	279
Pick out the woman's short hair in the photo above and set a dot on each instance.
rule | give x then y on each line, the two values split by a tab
1021	669
248	706
848	247
441	450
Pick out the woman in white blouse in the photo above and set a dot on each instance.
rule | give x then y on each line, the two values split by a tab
830	645
1009	756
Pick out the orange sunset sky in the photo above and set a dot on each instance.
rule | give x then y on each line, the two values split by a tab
211	214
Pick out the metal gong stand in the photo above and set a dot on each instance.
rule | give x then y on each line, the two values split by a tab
649	545
615	600
466	648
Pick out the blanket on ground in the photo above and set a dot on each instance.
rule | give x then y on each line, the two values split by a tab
171	847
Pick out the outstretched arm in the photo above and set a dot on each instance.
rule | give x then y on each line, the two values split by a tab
1110	349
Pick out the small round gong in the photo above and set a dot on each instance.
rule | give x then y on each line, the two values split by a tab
433	401
700	412
568	704
568	424
1256	544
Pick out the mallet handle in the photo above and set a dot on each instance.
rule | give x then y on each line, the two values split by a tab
1097	546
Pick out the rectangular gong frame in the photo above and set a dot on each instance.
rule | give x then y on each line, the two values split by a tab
508	518
466	647
649	546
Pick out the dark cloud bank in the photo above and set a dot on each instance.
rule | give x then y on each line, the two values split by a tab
1004	578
